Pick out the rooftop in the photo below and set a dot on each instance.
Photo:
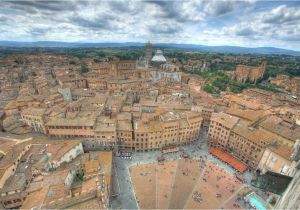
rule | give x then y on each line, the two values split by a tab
241	101
278	126
282	150
71	122
242	128
124	126
225	119
36	198
34	111
250	115
150	126
169	116
105	159
58	150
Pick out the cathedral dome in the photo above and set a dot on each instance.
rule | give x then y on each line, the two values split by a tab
159	57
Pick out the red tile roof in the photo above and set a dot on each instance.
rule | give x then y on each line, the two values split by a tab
233	162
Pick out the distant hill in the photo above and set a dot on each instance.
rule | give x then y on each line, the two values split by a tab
202	48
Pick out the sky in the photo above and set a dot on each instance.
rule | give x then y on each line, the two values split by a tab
247	23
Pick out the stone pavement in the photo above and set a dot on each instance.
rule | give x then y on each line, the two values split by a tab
123	187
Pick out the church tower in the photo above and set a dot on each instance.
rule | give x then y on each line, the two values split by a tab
148	52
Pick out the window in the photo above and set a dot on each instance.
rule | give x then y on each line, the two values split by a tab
274	159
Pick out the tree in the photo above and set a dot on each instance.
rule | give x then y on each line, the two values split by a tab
210	89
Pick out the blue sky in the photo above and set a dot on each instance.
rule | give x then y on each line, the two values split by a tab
247	23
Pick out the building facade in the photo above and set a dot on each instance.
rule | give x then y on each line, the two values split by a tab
148	53
170	129
34	117
220	127
248	73
276	158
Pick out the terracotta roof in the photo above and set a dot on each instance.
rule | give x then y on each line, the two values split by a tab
250	115
227	158
252	134
225	119
56	192
105	159
91	165
241	101
278	126
151	126
124	126
105	124
35	199
34	111
60	149
71	122
282	150
11	156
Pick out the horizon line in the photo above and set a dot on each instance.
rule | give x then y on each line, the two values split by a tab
116	42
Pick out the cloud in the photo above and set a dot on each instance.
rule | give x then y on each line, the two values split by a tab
38	31
124	6
218	8
101	22
53	6
282	15
179	11
213	22
3	19
247	31
222	7
165	29
278	27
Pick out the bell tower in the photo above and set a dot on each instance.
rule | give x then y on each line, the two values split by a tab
148	52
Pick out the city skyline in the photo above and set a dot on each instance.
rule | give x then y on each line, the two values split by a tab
237	23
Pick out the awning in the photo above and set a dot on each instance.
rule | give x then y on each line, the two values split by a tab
227	158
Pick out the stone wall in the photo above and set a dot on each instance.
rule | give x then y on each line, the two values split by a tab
291	197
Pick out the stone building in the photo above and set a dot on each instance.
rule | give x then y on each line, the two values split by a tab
105	131
238	138
158	58
247	144
285	132
245	73
276	158
125	134
206	113
166	71
71	128
62	153
291	196
72	80
34	117
295	86
169	129
220	128
148	53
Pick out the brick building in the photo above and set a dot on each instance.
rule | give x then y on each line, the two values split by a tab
249	73
35	118
276	158
220	127
171	128
295	86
